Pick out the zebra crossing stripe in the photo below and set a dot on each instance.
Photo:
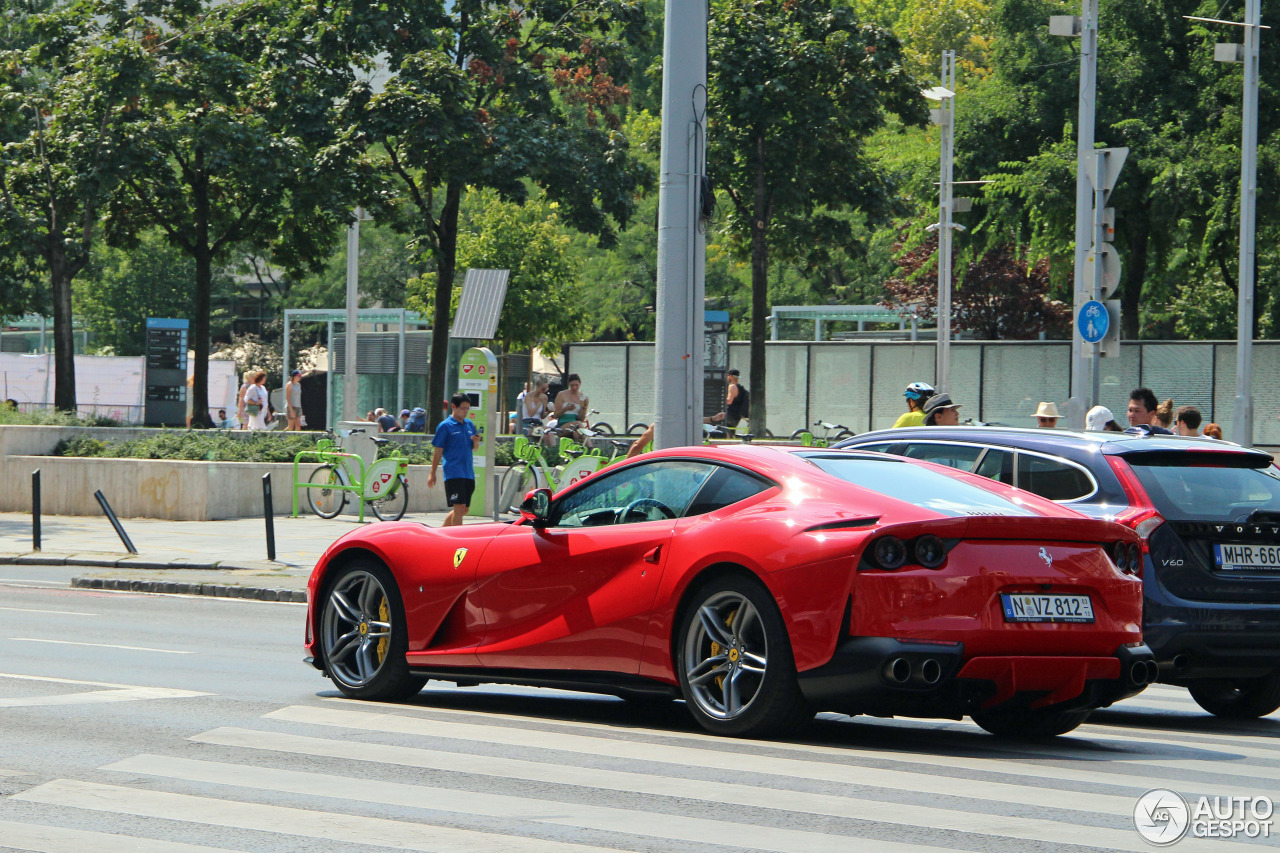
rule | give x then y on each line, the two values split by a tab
54	839
624	782
706	756
330	826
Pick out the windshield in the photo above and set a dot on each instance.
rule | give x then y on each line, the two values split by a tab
1209	492
916	484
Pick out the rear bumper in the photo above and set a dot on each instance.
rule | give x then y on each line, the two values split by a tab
1188	653
866	676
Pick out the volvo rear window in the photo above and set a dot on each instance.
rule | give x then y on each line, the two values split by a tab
915	484
1187	488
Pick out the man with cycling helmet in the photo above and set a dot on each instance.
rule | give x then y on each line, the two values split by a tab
917	394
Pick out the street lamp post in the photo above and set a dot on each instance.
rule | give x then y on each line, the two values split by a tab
947	114
350	379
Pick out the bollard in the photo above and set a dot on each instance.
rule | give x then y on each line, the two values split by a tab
497	494
269	512
115	522
35	510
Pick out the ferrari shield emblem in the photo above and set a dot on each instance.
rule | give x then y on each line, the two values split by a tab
458	556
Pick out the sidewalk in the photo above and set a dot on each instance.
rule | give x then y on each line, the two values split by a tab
223	558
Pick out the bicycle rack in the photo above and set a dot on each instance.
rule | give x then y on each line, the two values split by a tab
322	455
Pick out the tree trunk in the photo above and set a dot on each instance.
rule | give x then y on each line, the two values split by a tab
1137	274
759	296
199	340
446	262
64	339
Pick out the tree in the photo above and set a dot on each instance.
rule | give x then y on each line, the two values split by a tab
795	87
230	143
1001	296
495	95
66	83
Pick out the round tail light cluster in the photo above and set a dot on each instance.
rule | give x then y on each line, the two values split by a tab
890	552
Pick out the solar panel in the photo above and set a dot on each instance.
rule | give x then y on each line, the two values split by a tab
480	308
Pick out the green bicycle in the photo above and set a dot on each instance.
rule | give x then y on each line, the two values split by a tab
384	486
531	470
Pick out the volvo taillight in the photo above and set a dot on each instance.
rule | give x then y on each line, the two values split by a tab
1140	516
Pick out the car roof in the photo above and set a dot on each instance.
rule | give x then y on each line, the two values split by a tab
1056	441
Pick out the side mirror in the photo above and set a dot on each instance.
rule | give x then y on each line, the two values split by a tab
536	508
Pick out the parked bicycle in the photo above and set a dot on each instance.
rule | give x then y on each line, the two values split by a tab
384	485
531	471
808	439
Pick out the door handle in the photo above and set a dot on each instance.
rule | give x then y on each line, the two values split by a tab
654	554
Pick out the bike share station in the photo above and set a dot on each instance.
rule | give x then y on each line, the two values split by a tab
478	379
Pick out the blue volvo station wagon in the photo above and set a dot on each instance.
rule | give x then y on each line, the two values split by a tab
1208	513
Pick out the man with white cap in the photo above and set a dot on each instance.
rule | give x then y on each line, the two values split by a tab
1047	415
940	411
1100	419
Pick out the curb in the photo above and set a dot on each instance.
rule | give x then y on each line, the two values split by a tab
174	588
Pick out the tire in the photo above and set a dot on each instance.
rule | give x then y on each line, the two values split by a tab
637	429
363	636
1029	725
604	428
326	503
392	508
516	483
759	663
1237	698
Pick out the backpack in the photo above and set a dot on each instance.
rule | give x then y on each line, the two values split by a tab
417	420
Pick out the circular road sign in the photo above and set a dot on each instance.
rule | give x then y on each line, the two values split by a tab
1093	321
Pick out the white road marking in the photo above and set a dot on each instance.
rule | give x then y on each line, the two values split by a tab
98	697
53	680
101	646
625	783
688	831
327	825
25	581
51	612
748	764
53	839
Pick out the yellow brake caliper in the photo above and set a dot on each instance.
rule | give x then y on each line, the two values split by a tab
384	615
715	649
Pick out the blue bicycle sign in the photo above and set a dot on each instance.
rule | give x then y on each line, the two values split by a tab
1093	321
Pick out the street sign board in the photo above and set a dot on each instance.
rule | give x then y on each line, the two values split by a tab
1109	259
1093	321
1114	161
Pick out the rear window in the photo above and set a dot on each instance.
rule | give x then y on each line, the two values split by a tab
1204	492
915	484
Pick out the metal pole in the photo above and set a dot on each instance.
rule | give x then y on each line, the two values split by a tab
1242	425
115	522
948	106
1076	407
400	366
678	350
268	512
350	380
35	510
284	362
497	491
1099	205
328	385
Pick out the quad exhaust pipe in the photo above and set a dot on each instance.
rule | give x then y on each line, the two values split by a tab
1143	672
900	671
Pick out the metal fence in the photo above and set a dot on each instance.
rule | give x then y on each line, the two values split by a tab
860	383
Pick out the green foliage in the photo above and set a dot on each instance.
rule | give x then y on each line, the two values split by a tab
928	27
52	417
214	446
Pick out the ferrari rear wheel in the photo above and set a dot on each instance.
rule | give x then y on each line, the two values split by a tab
1237	698
1024	725
736	669
363	635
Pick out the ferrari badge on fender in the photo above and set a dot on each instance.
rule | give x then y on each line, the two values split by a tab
458	556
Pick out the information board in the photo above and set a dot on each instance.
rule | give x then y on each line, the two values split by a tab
166	381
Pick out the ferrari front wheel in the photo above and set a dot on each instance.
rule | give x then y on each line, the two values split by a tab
363	635
735	665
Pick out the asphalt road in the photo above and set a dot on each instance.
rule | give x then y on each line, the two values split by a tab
150	723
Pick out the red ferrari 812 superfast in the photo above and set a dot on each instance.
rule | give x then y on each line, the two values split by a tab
760	585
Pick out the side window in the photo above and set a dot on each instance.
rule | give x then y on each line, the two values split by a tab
1052	478
633	494
952	455
878	448
997	465
726	487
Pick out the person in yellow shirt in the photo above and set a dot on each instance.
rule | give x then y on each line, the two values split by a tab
917	393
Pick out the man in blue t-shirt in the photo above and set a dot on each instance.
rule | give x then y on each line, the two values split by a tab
455	440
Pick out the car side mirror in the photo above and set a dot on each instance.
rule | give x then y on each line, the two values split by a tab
536	508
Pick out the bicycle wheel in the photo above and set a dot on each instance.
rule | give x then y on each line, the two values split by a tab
391	507
516	483
326	502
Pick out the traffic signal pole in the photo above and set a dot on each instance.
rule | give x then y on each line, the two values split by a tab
1242	431
1078	405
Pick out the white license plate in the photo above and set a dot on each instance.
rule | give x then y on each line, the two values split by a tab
1028	607
1254	557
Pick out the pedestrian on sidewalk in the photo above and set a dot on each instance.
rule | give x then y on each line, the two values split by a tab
1100	419
1188	421
293	402
1164	415
1046	415
386	423
455	441
1142	412
917	394
737	404
940	411
256	402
